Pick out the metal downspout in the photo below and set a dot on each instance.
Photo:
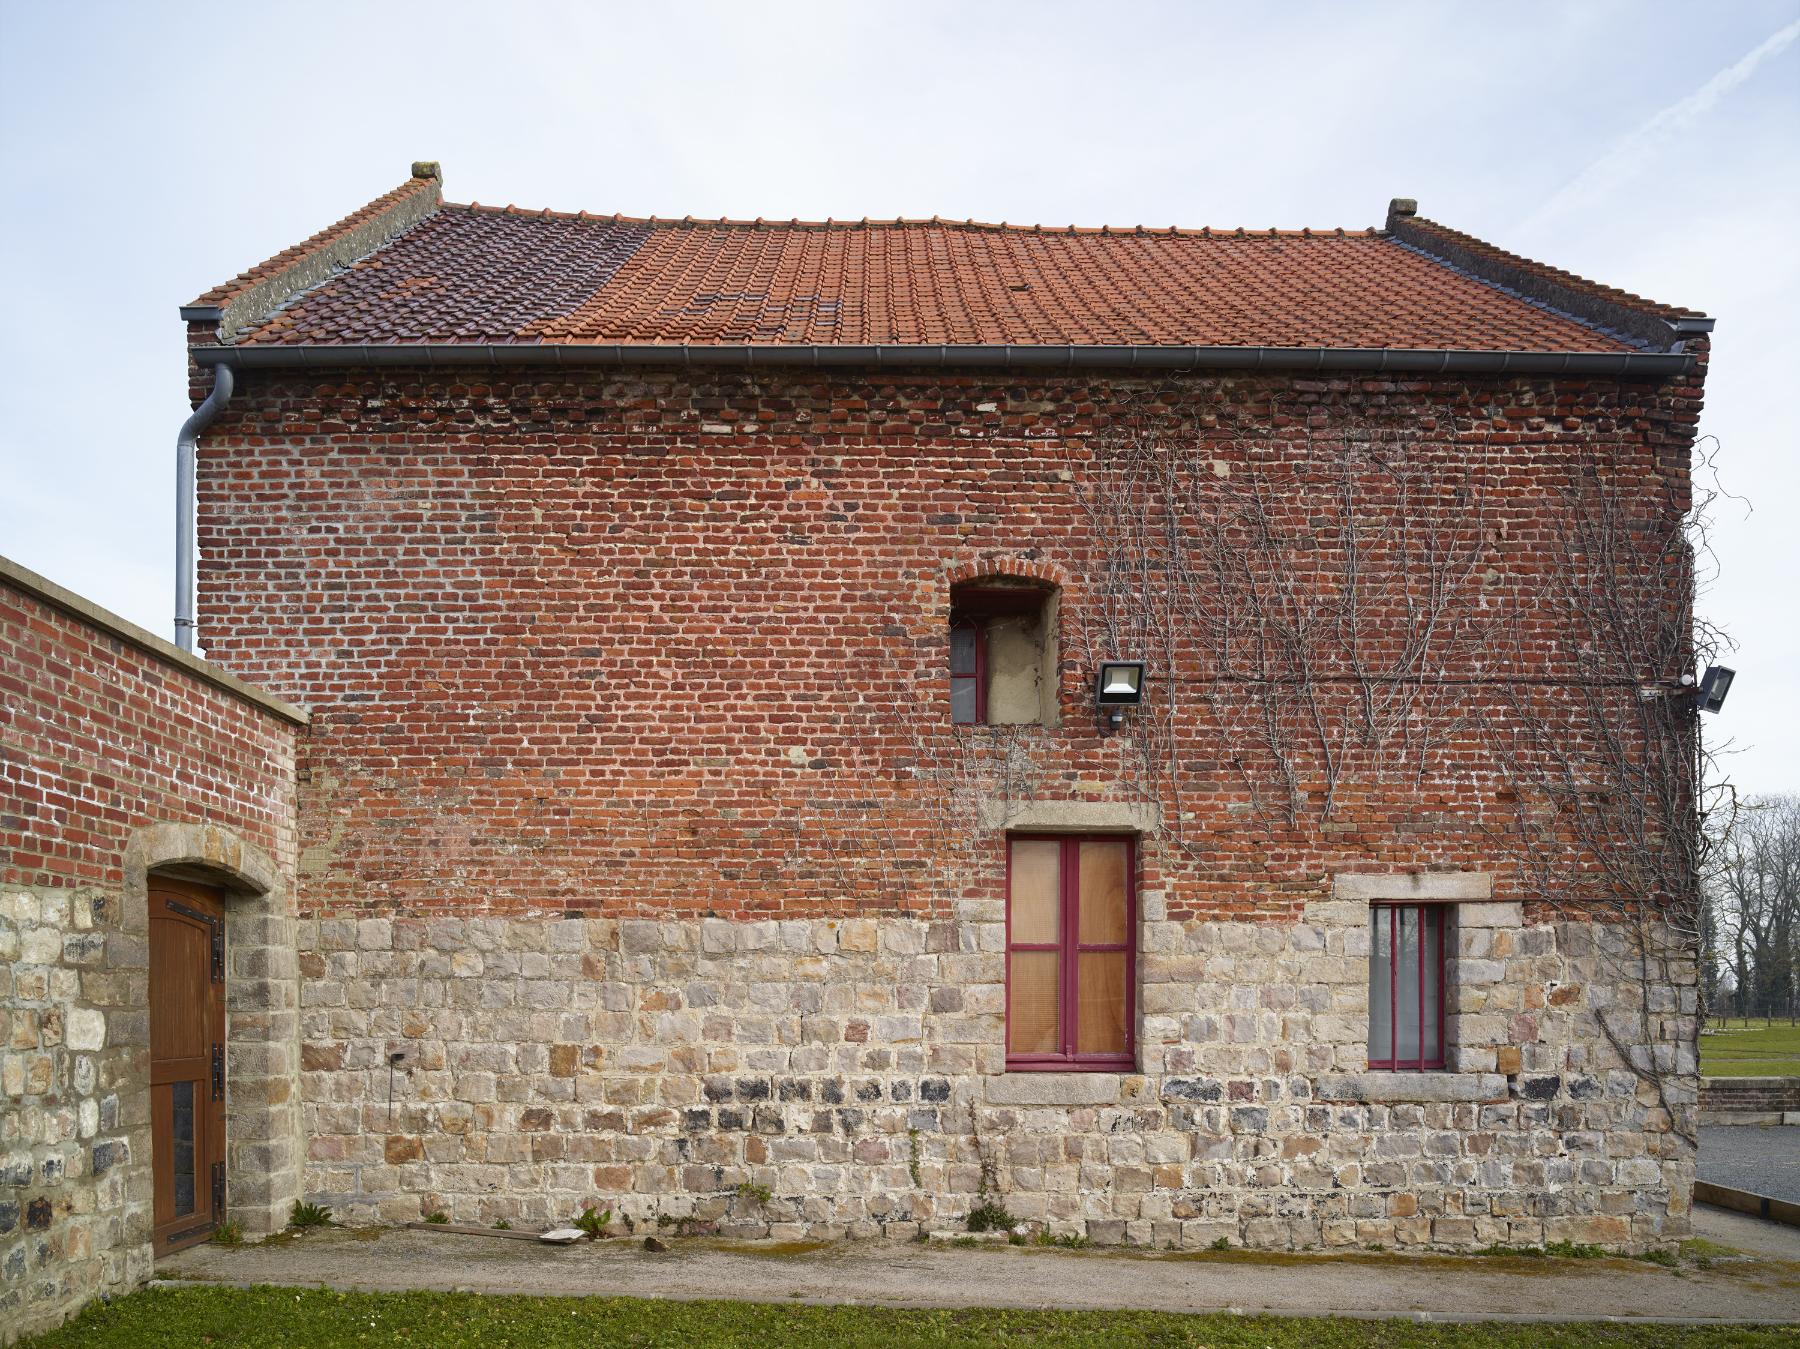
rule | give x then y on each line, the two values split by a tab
185	624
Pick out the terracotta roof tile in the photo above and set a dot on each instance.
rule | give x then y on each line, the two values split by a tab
481	274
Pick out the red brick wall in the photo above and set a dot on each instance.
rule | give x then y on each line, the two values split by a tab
647	643
99	737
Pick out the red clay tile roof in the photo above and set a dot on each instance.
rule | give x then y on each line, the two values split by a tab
481	275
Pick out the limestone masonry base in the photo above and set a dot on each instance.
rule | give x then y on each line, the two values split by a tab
854	1069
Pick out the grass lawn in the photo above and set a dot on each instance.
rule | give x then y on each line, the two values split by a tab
324	1320
1760	1051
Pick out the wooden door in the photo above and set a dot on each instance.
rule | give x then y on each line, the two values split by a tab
187	1062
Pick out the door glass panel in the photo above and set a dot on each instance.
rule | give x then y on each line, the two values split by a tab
1381	989
1036	891
1102	896
1102	1003
1433	932
1033	1016
962	701
962	651
182	1146
1406	988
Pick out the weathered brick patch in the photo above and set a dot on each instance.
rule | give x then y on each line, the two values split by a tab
847	1066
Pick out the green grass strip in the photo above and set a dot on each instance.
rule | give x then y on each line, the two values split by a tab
319	1319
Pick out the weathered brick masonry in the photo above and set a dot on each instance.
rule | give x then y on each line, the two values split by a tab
631	806
119	756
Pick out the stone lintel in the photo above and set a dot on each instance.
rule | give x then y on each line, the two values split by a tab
1054	1089
1493	913
1415	885
1427	1087
1093	817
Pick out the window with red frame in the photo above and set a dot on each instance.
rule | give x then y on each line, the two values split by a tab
1406	986
1071	925
983	617
968	672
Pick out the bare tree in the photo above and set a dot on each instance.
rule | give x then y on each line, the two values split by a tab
1756	906
1356	604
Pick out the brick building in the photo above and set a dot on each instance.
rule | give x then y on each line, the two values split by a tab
705	790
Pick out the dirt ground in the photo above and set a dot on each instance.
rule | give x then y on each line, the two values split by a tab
1760	1284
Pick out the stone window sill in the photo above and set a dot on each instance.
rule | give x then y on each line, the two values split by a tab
1041	1088
1426	1087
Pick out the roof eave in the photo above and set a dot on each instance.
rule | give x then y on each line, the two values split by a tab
288	356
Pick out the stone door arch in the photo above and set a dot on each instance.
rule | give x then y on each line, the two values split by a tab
262	1004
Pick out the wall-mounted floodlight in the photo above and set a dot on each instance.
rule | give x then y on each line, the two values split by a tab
1120	685
1714	685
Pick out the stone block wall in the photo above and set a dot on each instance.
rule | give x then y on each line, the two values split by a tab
855	1069
120	756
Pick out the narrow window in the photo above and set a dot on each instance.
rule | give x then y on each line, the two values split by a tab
1002	654
968	675
1406	987
1071	920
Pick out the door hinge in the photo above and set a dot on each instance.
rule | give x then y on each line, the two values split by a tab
218	1191
216	926
218	1072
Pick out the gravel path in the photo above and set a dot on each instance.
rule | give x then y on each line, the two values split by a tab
1357	1284
1763	1161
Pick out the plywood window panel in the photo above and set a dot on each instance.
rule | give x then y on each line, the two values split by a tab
1071	924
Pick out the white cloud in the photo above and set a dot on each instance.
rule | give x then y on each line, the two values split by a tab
1638	152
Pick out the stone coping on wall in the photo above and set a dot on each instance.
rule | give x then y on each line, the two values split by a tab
28	582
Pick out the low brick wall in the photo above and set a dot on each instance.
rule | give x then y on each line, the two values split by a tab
1760	1096
123	756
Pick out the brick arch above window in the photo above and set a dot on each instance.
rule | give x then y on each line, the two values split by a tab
1002	567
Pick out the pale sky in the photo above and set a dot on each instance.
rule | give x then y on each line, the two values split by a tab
149	151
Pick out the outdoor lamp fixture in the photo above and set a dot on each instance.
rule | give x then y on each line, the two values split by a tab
1714	685
1120	685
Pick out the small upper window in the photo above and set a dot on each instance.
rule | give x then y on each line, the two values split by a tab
1002	654
1406	987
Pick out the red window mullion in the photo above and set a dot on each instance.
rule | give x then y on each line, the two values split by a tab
1394	987
1443	990
1422	945
1071	945
981	636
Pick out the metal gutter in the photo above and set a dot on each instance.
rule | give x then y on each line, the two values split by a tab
184	503
1649	365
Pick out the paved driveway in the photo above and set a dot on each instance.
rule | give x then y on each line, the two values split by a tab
906	1275
1746	1157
